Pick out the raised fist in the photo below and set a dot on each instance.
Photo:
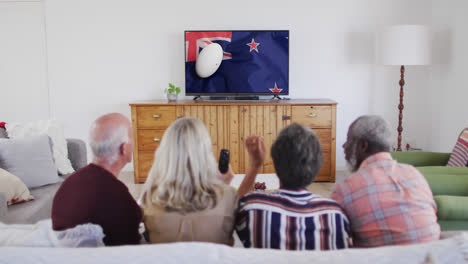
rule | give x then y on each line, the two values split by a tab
256	149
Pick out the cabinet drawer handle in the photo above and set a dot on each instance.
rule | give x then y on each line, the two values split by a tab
156	139
156	116
312	115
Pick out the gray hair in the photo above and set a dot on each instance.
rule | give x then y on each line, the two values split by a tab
375	130
297	156
108	148
183	175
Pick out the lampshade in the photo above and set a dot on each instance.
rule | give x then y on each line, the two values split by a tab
405	45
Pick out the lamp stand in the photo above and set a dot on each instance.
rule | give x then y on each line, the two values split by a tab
401	106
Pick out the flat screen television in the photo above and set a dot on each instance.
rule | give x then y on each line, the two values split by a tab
255	62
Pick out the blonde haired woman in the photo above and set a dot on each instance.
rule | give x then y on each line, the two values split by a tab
184	197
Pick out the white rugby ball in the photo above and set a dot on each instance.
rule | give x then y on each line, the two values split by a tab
209	60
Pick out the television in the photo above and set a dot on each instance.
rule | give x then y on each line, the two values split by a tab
254	62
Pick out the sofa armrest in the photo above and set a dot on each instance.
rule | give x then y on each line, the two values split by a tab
3	133
3	206
77	153
420	159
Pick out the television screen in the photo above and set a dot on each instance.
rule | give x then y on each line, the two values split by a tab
253	62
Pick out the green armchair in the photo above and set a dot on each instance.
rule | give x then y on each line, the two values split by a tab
448	184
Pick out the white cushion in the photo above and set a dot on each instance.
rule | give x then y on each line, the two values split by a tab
13	188
30	159
54	130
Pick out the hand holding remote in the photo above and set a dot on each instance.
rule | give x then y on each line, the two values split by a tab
223	164
225	172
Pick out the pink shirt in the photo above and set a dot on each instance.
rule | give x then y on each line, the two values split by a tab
388	203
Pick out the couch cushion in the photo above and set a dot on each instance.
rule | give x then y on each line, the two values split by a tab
443	170
30	159
453	225
14	189
54	130
446	180
452	207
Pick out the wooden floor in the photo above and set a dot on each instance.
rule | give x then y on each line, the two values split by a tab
321	188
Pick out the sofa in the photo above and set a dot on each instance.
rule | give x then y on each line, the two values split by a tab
450	250
449	186
41	207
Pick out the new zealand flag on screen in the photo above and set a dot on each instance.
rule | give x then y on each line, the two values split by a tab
253	62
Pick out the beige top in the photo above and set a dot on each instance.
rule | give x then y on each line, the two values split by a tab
210	225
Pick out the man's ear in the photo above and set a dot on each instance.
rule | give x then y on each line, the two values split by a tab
122	149
363	146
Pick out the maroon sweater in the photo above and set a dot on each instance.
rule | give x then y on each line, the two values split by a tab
93	195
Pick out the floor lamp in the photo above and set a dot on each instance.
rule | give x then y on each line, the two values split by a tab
404	45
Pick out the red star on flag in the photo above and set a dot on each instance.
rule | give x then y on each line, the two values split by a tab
275	90
253	45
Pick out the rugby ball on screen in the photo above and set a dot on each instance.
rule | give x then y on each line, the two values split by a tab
209	60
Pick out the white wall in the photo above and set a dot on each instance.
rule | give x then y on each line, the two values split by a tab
23	77
103	54
447	105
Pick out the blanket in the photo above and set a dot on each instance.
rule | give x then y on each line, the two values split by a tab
41	234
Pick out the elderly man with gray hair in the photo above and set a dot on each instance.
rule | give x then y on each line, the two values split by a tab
93	194
387	203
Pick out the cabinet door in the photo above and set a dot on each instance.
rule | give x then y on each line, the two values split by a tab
145	162
321	120
222	123
265	121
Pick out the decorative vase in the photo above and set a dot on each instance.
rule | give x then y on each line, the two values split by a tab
172	97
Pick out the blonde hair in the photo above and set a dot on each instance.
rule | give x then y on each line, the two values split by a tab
183	175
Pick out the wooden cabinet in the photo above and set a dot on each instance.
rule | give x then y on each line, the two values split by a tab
229	123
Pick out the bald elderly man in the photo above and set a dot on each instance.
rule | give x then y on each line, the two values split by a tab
93	194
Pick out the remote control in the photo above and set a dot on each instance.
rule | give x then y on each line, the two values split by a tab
223	161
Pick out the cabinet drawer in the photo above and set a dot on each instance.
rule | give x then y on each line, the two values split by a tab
149	140
312	116
155	117
145	161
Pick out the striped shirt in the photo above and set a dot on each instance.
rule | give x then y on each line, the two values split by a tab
388	204
291	219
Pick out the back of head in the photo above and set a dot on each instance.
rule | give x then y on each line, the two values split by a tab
107	134
297	156
373	129
184	170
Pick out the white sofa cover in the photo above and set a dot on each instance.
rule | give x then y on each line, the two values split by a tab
451	250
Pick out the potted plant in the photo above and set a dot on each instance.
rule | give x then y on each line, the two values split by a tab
172	92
